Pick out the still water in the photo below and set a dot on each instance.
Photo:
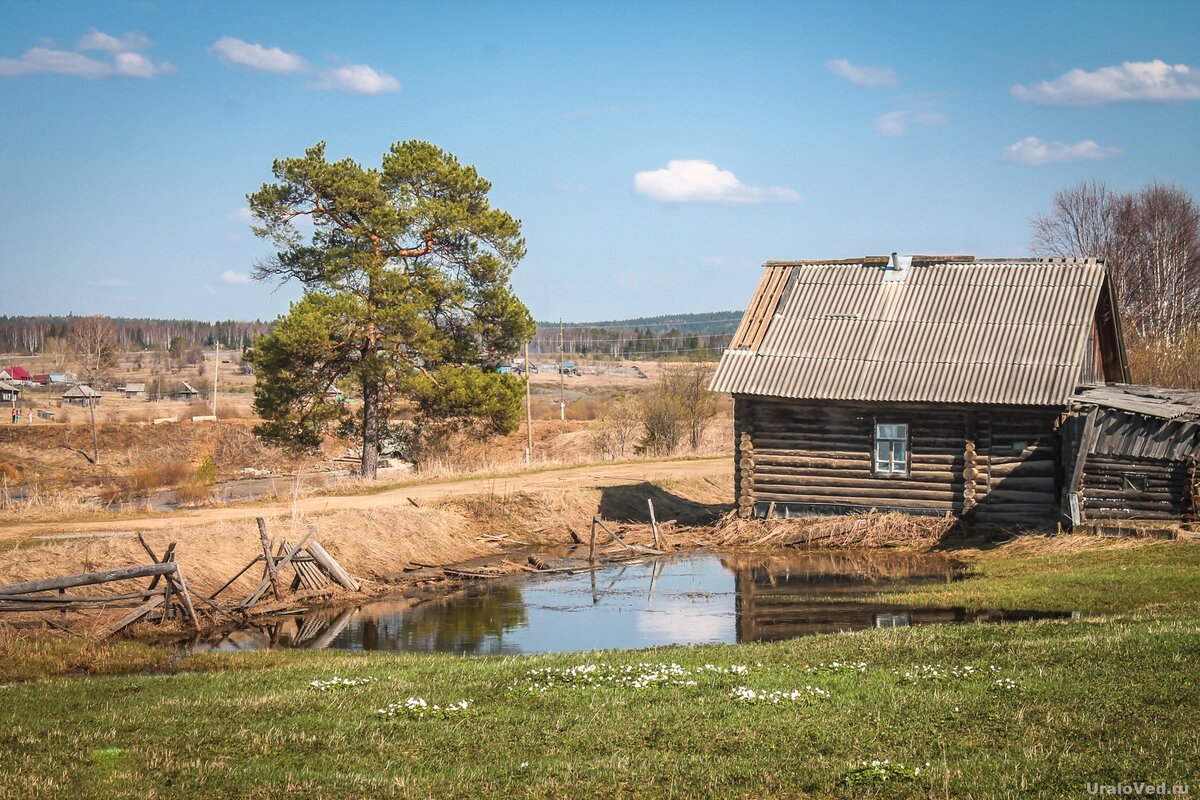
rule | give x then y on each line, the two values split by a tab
685	599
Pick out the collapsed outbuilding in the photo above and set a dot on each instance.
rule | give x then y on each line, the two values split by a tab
1130	452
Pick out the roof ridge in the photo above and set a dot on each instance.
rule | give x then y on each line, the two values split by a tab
932	259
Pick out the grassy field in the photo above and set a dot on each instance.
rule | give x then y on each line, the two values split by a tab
1025	710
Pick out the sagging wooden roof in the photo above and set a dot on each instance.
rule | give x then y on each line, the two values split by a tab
1141	421
943	329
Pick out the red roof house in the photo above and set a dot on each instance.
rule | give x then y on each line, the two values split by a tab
17	374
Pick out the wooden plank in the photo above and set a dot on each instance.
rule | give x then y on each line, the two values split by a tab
88	578
139	613
229	582
272	573
332	567
184	595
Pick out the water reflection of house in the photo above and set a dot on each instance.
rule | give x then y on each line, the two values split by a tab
783	599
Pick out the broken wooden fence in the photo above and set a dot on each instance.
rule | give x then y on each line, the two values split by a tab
314	570
166	597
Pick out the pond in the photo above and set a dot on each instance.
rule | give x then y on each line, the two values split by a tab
683	599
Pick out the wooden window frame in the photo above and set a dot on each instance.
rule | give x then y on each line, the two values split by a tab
907	473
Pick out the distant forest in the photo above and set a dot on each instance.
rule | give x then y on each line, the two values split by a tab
698	336
30	334
687	336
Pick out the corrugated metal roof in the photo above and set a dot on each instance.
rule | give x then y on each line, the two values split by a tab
999	331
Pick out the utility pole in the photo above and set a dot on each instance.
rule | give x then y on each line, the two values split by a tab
528	412
562	389
216	369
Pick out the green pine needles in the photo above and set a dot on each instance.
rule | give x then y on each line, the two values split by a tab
407	303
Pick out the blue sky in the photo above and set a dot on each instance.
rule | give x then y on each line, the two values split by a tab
656	153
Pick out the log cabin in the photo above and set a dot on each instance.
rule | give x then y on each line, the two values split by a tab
926	384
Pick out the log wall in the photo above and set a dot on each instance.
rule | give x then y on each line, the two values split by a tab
1106	494
1000	464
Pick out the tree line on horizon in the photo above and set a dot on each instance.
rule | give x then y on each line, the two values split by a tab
35	335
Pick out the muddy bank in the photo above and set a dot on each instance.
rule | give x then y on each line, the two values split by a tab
392	548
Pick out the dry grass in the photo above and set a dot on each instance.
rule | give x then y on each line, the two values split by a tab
868	530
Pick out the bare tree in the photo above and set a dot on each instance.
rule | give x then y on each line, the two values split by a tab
1150	240
1159	237
93	341
615	434
1082	224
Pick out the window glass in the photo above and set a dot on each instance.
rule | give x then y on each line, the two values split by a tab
891	447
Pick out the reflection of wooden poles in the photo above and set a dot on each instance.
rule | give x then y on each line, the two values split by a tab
332	630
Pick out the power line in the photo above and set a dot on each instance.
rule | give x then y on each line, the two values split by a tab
733	320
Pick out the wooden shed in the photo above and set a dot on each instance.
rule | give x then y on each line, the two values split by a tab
81	395
924	384
1130	452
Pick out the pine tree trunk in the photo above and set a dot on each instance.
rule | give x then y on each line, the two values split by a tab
370	431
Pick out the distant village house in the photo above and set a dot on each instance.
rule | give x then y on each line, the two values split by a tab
81	395
9	393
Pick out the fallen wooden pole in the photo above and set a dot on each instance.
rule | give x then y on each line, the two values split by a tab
141	611
637	548
89	578
332	567
263	585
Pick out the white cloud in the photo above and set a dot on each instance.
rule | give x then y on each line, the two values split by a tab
1034	151
357	79
897	123
229	276
350	78
1132	82
240	215
99	40
235	52
125	62
694	181
861	75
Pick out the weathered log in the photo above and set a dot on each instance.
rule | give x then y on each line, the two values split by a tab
332	567
89	578
272	574
140	612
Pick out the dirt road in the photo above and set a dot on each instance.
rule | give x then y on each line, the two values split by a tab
595	476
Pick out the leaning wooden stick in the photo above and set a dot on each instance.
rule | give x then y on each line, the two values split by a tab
272	573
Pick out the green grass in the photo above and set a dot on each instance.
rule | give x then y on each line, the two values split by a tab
1114	697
